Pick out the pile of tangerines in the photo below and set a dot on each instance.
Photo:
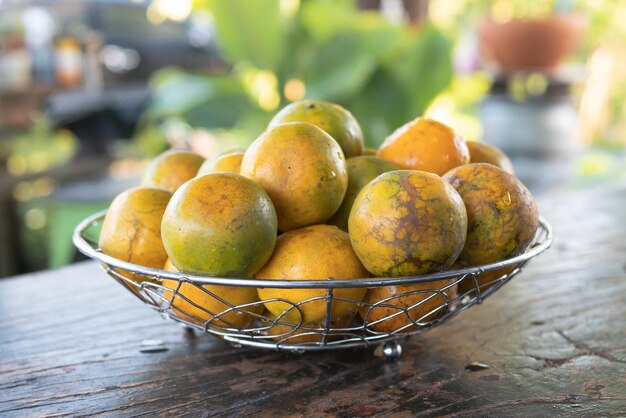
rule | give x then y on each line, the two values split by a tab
307	201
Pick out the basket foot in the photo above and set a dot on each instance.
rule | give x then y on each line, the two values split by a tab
189	332
391	351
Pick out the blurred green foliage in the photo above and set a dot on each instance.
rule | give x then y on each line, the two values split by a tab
37	149
385	73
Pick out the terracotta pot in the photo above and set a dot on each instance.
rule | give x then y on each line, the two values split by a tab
520	45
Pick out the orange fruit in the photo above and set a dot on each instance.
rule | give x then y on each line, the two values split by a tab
485	153
302	169
332	118
502	216
396	309
195	304
426	145
171	169
226	163
318	252
485	280
361	170
131	230
290	334
407	222
220	224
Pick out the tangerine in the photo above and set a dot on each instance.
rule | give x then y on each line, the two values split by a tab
302	169
337	121
485	153
317	252
407	222
361	170
216	304
426	145
226	163
171	169
219	224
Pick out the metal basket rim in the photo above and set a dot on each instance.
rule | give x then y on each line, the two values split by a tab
543	241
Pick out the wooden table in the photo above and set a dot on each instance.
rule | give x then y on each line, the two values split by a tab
554	340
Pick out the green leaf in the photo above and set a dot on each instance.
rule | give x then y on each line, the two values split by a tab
425	68
381	106
324	18
341	66
174	92
250	31
298	48
385	74
339	69
208	101
410	77
222	112
377	35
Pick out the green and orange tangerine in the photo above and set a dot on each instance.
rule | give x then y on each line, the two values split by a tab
361	170
407	222
302	169
225	163
423	302
337	121
481	152
290	334
171	169
220	224
502	215
317	252
131	230
201	303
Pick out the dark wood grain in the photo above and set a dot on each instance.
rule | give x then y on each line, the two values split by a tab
554	340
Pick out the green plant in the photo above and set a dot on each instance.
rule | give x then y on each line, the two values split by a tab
37	149
280	51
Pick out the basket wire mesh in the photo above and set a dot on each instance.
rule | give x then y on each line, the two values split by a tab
423	302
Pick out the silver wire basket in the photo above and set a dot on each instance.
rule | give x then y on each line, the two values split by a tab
420	302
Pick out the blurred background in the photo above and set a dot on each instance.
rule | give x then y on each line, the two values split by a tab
90	90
